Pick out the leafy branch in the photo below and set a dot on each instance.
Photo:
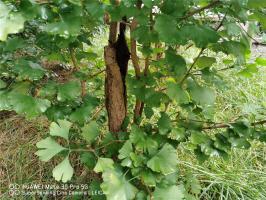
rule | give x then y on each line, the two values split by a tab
75	64
191	67
196	11
217	126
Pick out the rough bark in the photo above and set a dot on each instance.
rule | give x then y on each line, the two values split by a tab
114	91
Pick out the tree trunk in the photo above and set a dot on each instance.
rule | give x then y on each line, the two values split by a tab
114	91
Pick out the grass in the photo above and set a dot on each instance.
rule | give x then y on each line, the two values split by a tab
19	165
243	176
17	160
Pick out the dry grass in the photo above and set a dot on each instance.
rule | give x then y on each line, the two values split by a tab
17	146
19	165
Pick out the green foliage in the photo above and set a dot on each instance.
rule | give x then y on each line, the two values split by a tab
164	161
48	149
28	105
52	64
63	171
10	22
61	129
68	91
90	131
172	192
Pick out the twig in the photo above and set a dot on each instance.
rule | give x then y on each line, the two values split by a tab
75	63
211	5
200	53
216	126
256	42
194	73
97	73
94	115
134	56
135	60
191	67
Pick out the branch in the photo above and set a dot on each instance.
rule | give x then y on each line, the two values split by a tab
134	56
216	126
135	61
211	5
97	73
194	73
191	67
255	41
200	53
75	63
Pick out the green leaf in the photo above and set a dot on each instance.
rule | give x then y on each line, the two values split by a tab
202	95
169	179
199	138
259	17
170	7
81	114
2	84
141	195
178	134
10	22
116	187
148	178
176	93
165	161
88	159
143	34
76	2
48	149
261	61
90	131
95	185
64	28
171	193
4	101
138	137
95	8
233	29
148	112
63	171
68	91
249	70
48	90
164	124
138	159
241	143
61	129
176	63
235	48
166	26
31	107
256	3
125	151
204	62
193	184
200	155
202	35
13	44
222	142
28	70
104	164
141	141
